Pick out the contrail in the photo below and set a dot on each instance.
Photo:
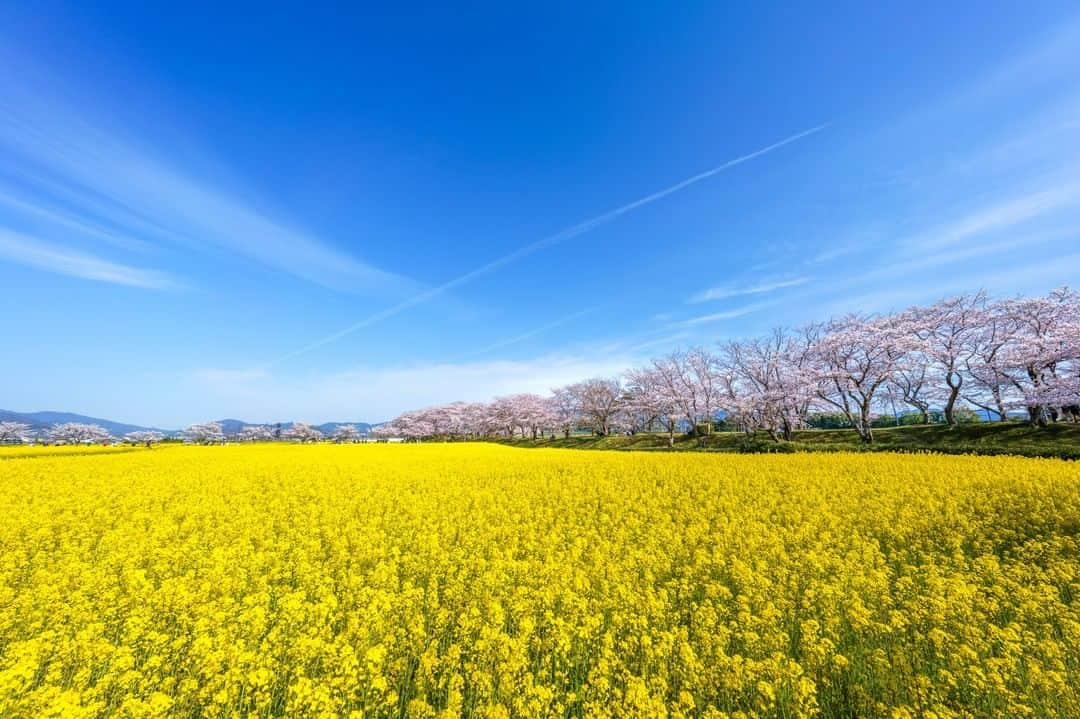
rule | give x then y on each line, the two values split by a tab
531	333
540	244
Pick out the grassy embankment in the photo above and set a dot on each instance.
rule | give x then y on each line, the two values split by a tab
1057	440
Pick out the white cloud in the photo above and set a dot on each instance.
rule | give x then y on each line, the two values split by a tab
726	314
24	250
1000	216
1048	60
61	219
533	332
75	178
668	342
379	393
834	252
731	290
1032	278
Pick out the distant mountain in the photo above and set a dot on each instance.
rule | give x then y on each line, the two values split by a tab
233	426
331	427
45	420
39	421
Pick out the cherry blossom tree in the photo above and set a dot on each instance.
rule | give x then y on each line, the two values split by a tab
303	433
854	357
990	384
145	437
598	402
415	425
565	410
534	414
1044	352
503	415
346	434
673	378
386	431
78	433
946	335
450	421
256	433
649	401
14	432
711	383
476	421
204	433
768	383
911	385
1022	353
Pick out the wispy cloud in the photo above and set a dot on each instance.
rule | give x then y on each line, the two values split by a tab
91	185
1048	60
898	280
531	333
850	243
726	314
732	290
667	341
953	255
61	219
217	375
977	205
549	241
379	393
1002	215
833	253
24	250
1030	278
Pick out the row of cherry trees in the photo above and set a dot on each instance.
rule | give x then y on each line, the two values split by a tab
75	433
212	433
968	351
1000	356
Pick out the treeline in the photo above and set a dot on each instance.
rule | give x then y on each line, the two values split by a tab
79	433
948	359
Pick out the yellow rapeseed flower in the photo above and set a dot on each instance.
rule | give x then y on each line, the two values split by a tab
473	580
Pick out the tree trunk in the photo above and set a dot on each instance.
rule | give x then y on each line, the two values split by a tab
866	432
1003	416
922	407
950	404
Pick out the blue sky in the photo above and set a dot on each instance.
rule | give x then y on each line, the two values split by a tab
303	214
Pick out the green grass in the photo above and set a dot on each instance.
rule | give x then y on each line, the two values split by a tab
1057	440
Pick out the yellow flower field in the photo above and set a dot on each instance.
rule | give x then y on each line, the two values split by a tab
485	581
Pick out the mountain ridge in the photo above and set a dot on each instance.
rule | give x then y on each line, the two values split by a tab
43	420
